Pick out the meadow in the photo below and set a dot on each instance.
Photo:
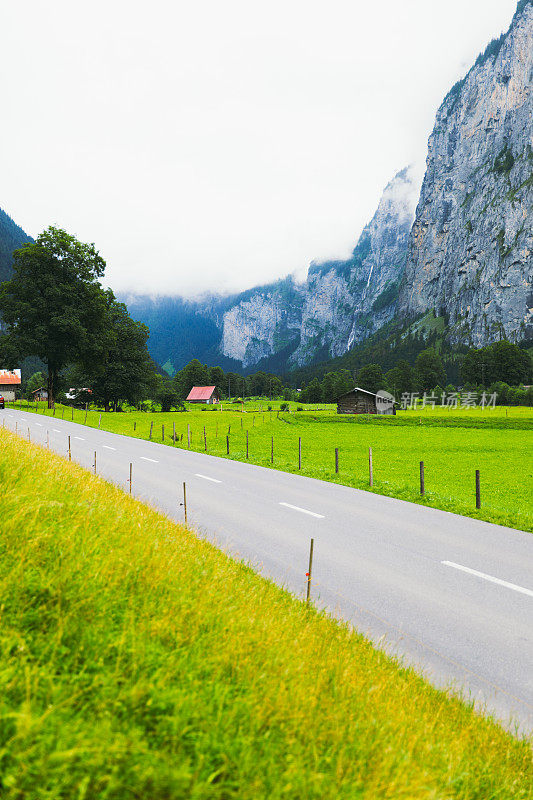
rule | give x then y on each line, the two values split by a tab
453	444
139	661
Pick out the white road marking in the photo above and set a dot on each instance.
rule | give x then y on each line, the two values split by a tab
303	510
56	430
207	478
80	438
144	458
39	424
107	447
490	578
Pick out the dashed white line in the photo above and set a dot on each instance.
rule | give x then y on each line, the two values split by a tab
153	460
207	478
303	510
56	430
80	438
39	424
107	447
490	578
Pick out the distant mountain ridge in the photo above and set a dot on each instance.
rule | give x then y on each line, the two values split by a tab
11	238
287	323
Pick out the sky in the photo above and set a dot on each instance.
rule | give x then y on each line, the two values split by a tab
218	145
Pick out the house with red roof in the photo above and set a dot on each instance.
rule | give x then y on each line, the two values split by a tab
9	383
203	394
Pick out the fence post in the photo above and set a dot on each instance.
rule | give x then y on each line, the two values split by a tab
241	423
308	575
422	486
173	433
478	490
227	445
85	420
337	460
370	470
272	450
69	453
162	433
205	440
188	436
134	426
72	414
184	504
131	470
99	421
246	442
63	413
151	429
299	452
94	462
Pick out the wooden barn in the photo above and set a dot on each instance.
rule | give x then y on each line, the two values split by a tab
360	401
203	394
40	395
9	383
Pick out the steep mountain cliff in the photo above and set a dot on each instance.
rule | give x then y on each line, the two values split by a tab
347	301
471	247
340	303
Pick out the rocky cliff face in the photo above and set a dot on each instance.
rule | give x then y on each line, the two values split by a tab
340	303
471	247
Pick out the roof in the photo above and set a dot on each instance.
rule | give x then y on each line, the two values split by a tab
201	392
40	389
8	378
358	389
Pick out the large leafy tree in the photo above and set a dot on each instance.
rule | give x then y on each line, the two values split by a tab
54	306
121	368
370	377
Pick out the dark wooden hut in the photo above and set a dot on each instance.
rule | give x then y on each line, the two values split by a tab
360	401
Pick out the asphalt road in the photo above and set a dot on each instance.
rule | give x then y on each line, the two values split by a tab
450	595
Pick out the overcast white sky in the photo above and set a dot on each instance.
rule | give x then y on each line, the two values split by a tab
219	144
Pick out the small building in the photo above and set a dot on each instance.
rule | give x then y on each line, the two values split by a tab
9	383
40	394
360	401
203	394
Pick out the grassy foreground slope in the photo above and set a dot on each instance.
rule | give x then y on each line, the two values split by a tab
452	443
140	662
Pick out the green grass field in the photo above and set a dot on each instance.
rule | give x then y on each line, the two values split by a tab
452	444
140	662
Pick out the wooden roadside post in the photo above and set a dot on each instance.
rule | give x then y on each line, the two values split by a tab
241	422
205	440
173	433
86	411
94	465
48	440
227	445
422	486
151	429
134	426
162	433
29	434
478	490
99	421
69	452
370	470
299	452
308	574
72	414
272	450
188	436
54	410
63	413
246	442
184	504
131	471
337	460
16	427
